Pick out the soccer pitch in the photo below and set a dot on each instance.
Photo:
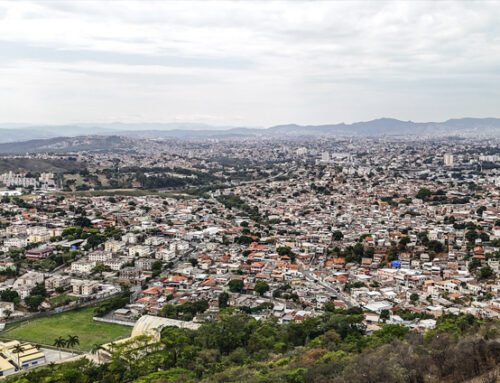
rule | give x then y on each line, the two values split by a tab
77	322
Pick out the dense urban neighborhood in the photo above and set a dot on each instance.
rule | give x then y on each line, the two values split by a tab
248	191
397	232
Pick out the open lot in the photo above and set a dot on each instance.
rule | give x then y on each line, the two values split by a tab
77	322
62	299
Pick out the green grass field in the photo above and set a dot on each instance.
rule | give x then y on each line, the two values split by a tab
61	300
78	322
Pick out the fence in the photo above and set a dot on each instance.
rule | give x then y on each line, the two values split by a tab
114	321
72	306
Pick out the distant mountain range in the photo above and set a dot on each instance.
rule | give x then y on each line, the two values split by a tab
20	132
23	135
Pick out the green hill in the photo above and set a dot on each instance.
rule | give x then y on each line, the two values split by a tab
38	165
330	348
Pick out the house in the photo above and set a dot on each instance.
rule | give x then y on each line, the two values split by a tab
26	282
30	357
144	263
84	287
6	308
386	274
130	273
7	366
377	307
139	251
15	242
37	254
57	281
100	256
115	264
258	267
82	266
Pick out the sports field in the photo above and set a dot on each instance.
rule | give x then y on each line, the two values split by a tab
77	322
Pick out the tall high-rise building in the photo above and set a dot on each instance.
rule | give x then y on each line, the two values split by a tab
448	159
325	156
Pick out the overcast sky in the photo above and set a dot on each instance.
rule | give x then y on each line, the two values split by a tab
253	63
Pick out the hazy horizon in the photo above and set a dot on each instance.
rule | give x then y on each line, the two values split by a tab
154	125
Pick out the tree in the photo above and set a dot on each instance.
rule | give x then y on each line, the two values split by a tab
72	340
7	313
261	287
83	222
236	285
286	250
474	264
337	235
424	239
370	252
174	341
39	289
392	255
243	240
9	295
423	194
414	297
18	349
484	237
95	240
157	265
223	300
471	235
435	246
390	332
94	350
385	314
33	302
193	261
169	311
486	272
100	268
404	241
59	343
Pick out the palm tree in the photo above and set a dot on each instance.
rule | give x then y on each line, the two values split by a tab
96	347
72	340
111	348
59	343
17	350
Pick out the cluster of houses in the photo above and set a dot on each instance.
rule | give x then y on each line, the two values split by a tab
351	230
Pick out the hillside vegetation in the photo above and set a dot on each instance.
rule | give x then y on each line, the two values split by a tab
329	348
20	165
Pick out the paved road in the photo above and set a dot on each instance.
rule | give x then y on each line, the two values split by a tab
52	355
340	296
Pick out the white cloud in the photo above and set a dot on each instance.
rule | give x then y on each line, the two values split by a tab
248	62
